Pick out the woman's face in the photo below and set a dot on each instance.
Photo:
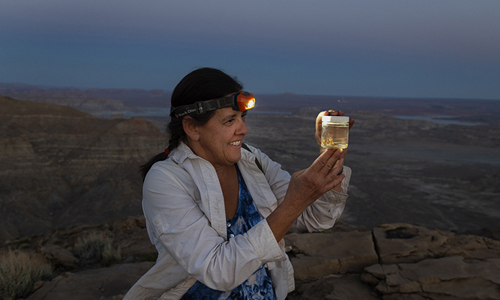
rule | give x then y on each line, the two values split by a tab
221	137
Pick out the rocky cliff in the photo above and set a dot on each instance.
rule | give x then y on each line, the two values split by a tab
62	167
391	261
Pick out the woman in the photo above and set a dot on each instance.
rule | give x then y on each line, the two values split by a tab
217	212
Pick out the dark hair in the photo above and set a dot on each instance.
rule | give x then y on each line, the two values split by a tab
201	84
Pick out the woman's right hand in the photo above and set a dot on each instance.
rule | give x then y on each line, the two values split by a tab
304	188
309	184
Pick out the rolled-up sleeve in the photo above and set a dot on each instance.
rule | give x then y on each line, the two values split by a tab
325	211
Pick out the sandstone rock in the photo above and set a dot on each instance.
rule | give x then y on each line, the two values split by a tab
407	243
321	254
404	242
416	263
92	284
339	264
442	278
59	257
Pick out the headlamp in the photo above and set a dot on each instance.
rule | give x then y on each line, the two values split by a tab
241	101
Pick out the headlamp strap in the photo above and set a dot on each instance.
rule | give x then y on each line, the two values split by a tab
202	107
228	101
206	106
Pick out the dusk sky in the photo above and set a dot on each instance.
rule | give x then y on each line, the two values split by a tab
388	48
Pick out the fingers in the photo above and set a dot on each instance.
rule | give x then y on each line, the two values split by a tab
333	178
344	153
335	182
339	113
309	184
319	120
334	164
326	161
326	169
336	113
330	112
351	122
339	164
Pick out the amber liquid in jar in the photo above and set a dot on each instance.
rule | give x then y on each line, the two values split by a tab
335	132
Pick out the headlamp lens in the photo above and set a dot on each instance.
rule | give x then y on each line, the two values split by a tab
245	101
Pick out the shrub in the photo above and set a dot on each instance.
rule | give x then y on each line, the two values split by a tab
19	271
97	247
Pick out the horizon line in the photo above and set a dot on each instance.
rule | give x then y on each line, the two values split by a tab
4	84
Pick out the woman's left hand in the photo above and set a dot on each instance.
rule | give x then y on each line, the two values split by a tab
319	127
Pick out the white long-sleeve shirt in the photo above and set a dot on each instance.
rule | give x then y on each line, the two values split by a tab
185	217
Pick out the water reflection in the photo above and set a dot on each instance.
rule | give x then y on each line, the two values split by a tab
448	120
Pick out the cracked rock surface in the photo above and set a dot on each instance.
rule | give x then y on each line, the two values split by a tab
392	261
401	261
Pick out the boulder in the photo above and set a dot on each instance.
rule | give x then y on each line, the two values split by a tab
59	257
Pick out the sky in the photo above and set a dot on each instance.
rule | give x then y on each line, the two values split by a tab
382	48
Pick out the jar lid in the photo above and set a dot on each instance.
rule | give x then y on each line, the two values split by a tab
336	119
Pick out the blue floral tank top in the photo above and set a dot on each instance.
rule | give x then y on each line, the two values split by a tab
259	285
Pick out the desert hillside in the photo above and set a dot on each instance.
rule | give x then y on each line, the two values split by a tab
62	167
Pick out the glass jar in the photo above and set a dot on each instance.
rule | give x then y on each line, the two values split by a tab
335	132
